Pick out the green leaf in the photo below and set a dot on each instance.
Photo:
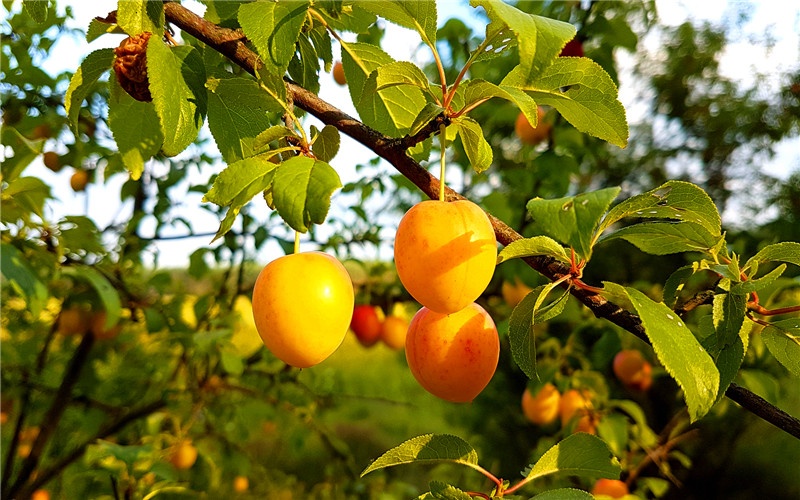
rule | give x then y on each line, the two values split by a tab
82	82
674	284
135	126
395	74
177	83
427	448
302	190
677	349
37	9
787	251
573	219
137	16
529	247
728	316
237	114
391	111
663	238
782	338
475	91
584	94
427	114
674	200
729	360
580	454
24	152
564	494
17	273
757	284
325	142
444	491
99	28
499	39
274	28
105	290
479	152
231	362
273	133
304	66
419	15
539	39
27	193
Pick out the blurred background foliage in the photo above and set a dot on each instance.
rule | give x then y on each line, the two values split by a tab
187	365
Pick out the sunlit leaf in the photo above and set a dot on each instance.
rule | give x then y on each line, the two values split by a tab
782	338
425	449
326	142
302	190
273	28
137	16
419	15
529	247
580	454
136	128
479	152
83	81
18	274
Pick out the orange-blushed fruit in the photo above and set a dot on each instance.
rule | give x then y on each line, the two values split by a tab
453	356
366	324
52	161
573	403
98	328
542	408
445	253
183	455
338	73
73	321
613	488
514	293
79	180
302	307
393	331
633	370
240	484
529	134
40	495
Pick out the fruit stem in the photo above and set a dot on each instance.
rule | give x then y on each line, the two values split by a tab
443	142
297	242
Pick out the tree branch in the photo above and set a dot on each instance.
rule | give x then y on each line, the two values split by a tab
231	44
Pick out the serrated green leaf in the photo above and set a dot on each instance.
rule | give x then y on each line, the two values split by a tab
539	39
782	338
37	9
237	114
391	111
177	83
271	134
444	491
237	178
274	28
395	74
302	190
529	247
663	238
99	28
90	71
677	349
24	152
474	91
325	142
564	494
273	85
426	449
728	315
353	18
675	200
304	66
757	284
427	114
675	283
582	92
105	290
729	360
479	152
580	454
28	193
137	16
135	127
572	220
499	39
419	15
787	251
19	275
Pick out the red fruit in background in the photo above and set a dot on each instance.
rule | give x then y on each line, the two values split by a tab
573	48
633	370
613	488
366	325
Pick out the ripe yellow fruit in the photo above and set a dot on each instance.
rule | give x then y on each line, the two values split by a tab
240	484
527	133
184	455
79	180
453	356
40	495
302	306
514	293
393	331
613	488
338	73
542	408
445	253
573	403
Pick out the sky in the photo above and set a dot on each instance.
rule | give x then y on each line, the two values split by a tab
741	60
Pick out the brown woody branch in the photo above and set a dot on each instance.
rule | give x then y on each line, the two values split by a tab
232	44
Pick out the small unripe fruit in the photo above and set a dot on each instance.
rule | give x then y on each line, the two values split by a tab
453	356
542	408
338	73
184	455
393	331
52	161
527	133
302	307
240	484
79	180
445	253
613	488
633	370
366	325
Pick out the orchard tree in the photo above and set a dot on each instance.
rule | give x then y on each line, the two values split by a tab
122	379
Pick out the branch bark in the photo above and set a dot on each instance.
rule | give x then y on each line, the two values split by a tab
394	150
